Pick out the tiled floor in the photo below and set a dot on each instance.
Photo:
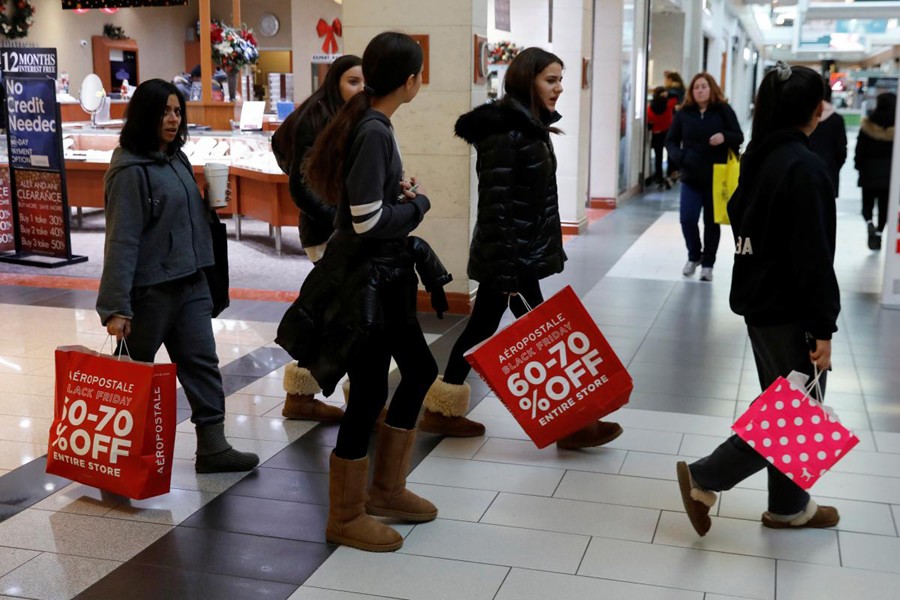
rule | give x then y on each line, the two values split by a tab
516	523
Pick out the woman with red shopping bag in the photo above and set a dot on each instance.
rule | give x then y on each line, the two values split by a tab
518	236
153	290
784	285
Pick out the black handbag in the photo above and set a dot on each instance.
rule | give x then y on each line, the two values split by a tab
217	273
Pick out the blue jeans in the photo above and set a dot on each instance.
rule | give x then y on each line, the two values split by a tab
693	201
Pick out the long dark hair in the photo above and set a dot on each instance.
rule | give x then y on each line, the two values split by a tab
660	101
324	103
787	98
144	114
389	60
519	80
885	113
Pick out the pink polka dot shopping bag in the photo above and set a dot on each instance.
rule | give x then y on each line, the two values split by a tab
793	431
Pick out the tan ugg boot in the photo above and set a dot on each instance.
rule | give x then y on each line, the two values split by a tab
596	434
300	402
445	407
388	496
348	523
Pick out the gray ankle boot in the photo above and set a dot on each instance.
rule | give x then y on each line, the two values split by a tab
215	454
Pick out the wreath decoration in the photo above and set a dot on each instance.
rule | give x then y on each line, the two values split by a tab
18	21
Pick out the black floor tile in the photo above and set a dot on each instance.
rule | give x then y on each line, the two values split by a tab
236	555
6	511
258	363
257	516
29	484
136	581
280	484
302	456
233	383
323	435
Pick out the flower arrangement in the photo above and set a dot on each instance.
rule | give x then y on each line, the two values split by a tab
114	33
502	53
16	23
232	48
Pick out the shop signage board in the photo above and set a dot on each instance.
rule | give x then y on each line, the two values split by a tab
7	236
38	203
890	292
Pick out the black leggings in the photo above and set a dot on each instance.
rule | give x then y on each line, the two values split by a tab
490	304
869	197
658	143
400	338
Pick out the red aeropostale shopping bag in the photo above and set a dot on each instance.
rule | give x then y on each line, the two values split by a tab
113	423
553	369
802	438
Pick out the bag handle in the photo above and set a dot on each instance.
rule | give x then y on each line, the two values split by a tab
509	298
122	346
814	385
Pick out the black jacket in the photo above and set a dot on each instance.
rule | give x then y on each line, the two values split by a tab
783	218
316	217
829	142
688	141
873	154
517	229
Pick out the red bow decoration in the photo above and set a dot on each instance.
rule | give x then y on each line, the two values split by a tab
330	46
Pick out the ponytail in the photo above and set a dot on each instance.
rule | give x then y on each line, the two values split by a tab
389	61
323	167
787	98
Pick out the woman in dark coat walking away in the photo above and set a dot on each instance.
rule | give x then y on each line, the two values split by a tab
343	81
355	163
702	133
783	218
874	149
518	238
829	140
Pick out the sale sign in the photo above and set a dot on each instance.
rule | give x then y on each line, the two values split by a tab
41	222
114	423
40	210
7	237
553	369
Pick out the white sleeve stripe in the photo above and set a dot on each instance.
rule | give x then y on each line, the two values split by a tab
363	209
367	224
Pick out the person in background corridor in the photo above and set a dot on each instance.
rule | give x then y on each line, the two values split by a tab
829	140
702	133
659	119
783	217
874	149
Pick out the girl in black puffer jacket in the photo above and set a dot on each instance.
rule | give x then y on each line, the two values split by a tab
518	237
874	148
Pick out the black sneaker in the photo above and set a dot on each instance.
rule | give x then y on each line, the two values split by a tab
874	239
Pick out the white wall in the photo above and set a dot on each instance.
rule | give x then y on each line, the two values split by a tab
305	41
528	20
666	45
605	99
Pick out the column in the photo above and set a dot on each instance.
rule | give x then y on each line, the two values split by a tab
606	105
572	35
431	152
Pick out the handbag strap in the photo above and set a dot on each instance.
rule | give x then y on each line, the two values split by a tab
814	385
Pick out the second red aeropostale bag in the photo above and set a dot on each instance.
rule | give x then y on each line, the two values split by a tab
113	423
553	369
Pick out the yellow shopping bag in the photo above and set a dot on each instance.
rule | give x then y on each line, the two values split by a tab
725	181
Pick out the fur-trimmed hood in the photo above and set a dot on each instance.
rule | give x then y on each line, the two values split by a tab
501	116
876	131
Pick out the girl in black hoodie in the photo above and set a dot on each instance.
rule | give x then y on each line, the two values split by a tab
518	237
702	133
783	218
874	148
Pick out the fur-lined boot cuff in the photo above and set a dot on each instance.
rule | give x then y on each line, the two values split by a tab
705	496
299	381
448	399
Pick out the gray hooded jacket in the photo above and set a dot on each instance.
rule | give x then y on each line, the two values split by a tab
150	241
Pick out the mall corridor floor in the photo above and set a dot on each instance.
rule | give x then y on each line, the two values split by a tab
515	523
